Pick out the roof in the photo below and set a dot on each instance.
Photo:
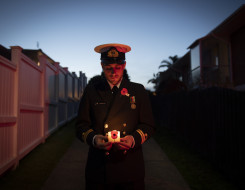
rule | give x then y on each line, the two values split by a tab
33	54
231	24
5	52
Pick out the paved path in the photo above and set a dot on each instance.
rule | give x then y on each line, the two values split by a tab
161	174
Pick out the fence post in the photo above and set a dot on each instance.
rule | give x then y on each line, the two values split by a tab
66	91
42	61
56	64
15	58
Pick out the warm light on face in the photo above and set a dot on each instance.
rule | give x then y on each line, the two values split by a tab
113	72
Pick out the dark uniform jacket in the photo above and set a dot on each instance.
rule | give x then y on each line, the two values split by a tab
99	113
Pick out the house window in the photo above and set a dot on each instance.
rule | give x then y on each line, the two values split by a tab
181	78
195	58
216	61
195	65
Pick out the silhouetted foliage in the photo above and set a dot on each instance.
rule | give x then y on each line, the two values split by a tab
169	63
154	80
171	85
164	63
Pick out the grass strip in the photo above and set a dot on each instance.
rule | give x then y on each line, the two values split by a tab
35	168
198	172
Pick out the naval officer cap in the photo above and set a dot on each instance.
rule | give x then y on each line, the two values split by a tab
112	53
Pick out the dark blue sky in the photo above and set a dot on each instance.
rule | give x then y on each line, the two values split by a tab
68	30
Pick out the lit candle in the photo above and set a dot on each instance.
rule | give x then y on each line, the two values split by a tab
114	136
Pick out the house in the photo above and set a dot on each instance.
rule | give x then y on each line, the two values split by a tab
218	59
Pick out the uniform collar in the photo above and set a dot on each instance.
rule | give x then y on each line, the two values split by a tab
118	85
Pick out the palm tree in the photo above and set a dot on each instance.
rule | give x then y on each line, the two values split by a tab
169	63
164	63
154	80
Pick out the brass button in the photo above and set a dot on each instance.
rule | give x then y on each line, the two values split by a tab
124	125
106	125
124	132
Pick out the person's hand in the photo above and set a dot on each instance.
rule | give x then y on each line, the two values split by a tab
125	143
101	142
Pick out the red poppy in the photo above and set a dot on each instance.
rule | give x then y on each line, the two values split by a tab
114	134
124	91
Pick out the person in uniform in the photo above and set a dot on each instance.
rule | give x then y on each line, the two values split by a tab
114	119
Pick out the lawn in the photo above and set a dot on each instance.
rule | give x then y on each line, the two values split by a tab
198	172
34	169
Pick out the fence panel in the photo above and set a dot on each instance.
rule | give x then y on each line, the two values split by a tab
31	110
62	107
76	94
8	117
211	121
70	95
51	97
35	99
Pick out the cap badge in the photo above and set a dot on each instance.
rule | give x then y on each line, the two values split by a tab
112	53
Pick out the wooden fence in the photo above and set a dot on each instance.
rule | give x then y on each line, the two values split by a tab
212	122
35	99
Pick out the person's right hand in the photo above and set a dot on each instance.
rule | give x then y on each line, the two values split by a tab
101	142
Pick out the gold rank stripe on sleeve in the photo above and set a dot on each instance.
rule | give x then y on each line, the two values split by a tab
84	136
142	135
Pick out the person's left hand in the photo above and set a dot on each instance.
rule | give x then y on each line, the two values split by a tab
125	142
